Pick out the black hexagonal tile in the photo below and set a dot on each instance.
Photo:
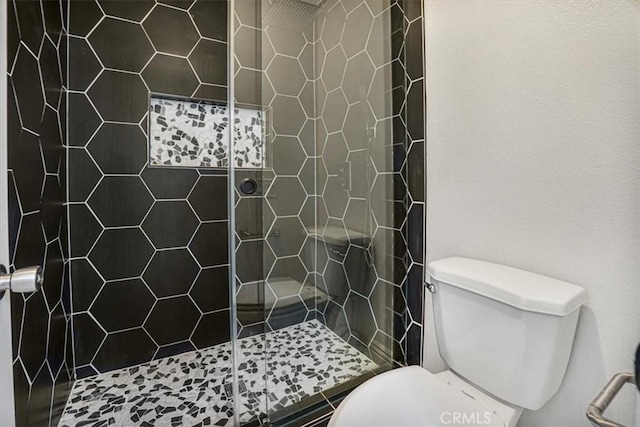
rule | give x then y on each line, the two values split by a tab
126	348
86	283
415	222
334	112
337	320
121	201
286	196
51	140
360	274
170	224
26	82
84	117
119	97
333	26
172	320
335	197
413	290
209	59
83	16
14	125
28	171
254	261
30	20
288	155
39	407
212	329
414	56
290	267
415	110
247	86
286	41
121	253
51	207
171	30
31	244
83	175
357	77
247	40
61	391
21	387
169	74
133	10
119	148
288	117
14	213
209	244
53	274
253	218
209	197
415	171
35	327
356	30
296	312
173	349
211	92
389	265
83	64
171	272
167	183
335	152
336	280
50	72
333	69
57	336
211	289
52	19
360	317
13	35
180	4
121	45
287	236
211	18
122	305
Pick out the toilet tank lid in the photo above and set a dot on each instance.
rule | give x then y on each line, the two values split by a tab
518	288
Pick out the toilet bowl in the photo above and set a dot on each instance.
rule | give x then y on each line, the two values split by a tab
506	335
413	396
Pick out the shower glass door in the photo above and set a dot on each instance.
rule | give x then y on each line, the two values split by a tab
318	200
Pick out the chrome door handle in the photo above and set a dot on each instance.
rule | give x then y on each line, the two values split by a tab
24	280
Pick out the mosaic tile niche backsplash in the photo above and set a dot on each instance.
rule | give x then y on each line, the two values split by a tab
192	133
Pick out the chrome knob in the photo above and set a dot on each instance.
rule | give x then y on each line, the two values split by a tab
24	280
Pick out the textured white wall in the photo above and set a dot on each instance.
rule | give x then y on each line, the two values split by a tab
534	162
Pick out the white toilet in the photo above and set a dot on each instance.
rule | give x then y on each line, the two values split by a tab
506	335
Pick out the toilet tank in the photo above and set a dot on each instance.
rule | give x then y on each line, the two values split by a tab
506	330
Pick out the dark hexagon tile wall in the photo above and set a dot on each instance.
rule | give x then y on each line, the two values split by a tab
42	356
366	49
154	240
322	133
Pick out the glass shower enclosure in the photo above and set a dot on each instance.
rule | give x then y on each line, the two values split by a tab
316	265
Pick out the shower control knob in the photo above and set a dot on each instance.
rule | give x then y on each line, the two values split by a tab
24	280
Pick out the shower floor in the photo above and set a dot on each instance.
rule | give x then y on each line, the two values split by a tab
195	388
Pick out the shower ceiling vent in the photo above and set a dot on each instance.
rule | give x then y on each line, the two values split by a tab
295	15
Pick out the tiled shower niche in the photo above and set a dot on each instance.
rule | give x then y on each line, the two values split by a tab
193	133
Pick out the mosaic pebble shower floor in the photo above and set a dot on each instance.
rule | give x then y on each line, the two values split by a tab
195	388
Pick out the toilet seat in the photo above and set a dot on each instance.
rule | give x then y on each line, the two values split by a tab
411	397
